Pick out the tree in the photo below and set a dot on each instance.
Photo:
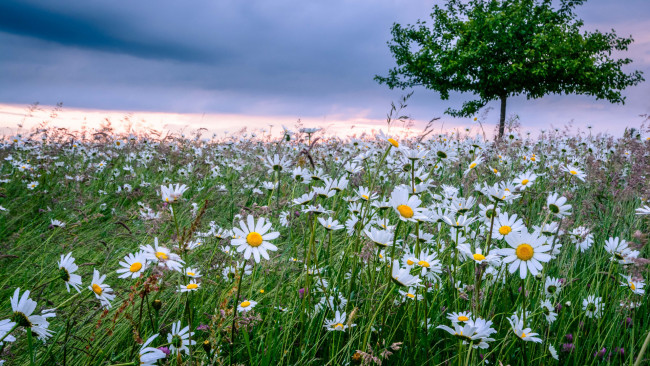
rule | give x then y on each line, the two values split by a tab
497	49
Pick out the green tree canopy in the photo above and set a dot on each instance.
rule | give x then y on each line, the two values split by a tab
497	49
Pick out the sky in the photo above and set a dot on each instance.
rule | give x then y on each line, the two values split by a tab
229	64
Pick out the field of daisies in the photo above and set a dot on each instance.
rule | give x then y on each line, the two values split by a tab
310	250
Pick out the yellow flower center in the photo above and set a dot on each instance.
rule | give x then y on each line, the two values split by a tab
192	286
409	262
254	239
190	273
505	230
478	257
524	182
405	211
632	286
97	289
523	335
424	264
135	267
161	256
245	304
573	172
393	142
364	196
411	296
472	166
338	326
495	171
463	318
525	252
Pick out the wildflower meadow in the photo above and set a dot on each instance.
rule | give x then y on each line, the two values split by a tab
309	249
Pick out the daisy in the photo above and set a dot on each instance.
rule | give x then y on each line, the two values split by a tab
32	185
431	267
403	277
477	255
6	326
557	205
505	225
411	293
103	292
592	306
365	194
192	286
330	224
23	307
163	256
459	222
645	210
133	265
382	238
525	180
547	309
246	306
56	223
461	317
407	208
475	332
173	192
413	154
338	323
253	238
67	268
574	171
553	352
304	199
635	286
149	356
525	334
526	252
473	165
619	249
276	163
179	339
552	286
192	272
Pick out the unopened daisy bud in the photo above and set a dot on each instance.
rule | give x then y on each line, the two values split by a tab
156	305
207	347
356	358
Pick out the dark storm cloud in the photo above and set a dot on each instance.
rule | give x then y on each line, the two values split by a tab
93	30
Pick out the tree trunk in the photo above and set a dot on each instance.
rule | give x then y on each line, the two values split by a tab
502	119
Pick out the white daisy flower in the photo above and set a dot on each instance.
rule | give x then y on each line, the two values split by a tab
133	265
149	356
179	339
23	307
526	253
163	256
407	208
592	306
525	334
504	225
403	277
173	192
192	286
253	238
338	323
67	268
246	306
103	292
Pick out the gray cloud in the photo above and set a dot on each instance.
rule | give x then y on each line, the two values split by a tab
282	57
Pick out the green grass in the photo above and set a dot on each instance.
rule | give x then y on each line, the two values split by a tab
102	228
